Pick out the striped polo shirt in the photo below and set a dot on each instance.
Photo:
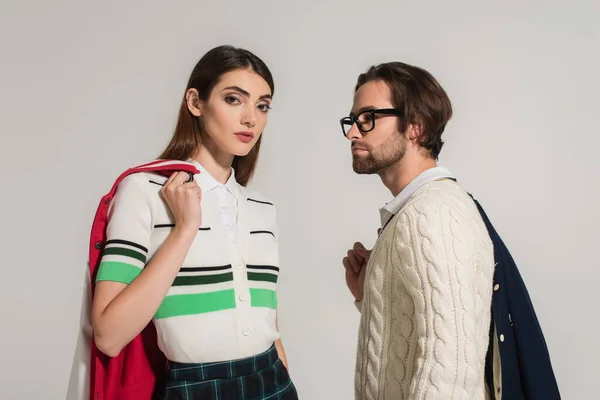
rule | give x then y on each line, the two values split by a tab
222	304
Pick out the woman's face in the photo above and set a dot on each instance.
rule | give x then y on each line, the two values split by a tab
235	114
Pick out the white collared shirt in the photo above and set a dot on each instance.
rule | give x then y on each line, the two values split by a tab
391	208
224	197
222	304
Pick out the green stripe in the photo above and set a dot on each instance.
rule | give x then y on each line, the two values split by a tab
263	298
263	277
197	303
120	251
202	279
117	272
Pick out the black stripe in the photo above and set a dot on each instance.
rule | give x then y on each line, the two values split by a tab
156	183
173	225
125	252
272	268
261	202
201	269
128	243
386	223
202	279
257	232
262	277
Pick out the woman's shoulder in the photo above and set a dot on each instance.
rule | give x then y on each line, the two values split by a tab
140	186
256	197
148	175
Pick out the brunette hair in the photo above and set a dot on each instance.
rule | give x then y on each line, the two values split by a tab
206	74
419	95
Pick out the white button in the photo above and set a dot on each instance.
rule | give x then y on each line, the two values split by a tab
227	226
223	208
240	265
246	331
496	287
242	297
502	338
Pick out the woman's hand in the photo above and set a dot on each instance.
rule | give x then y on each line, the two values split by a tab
183	199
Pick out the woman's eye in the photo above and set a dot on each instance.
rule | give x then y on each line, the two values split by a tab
232	100
264	107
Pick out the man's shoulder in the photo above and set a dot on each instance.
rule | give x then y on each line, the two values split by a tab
443	206
438	198
440	192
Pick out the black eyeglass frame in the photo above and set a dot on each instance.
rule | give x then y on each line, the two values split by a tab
353	119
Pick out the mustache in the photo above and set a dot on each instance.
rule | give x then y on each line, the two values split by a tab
360	146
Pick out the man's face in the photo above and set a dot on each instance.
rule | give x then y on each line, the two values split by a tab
382	147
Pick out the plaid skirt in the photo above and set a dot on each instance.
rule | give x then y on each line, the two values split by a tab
259	377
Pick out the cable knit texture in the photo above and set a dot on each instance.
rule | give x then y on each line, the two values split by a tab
426	310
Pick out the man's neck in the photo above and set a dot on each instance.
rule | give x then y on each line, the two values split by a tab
396	177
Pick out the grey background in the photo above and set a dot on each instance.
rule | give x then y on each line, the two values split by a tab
89	89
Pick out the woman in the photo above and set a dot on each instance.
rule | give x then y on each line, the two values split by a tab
200	258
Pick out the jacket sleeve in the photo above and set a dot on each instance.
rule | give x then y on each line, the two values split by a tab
534	377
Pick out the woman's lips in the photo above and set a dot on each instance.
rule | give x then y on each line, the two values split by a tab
245	137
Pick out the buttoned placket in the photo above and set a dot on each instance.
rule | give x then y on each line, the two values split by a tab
227	209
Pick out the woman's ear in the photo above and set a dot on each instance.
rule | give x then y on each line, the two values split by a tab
192	100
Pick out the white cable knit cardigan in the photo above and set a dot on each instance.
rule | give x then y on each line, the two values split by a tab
425	321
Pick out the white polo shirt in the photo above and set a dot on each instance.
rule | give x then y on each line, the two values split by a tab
222	197
222	304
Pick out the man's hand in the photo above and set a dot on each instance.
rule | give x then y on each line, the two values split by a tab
356	267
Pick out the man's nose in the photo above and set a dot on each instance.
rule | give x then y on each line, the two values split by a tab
353	133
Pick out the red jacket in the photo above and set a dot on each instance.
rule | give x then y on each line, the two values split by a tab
133	374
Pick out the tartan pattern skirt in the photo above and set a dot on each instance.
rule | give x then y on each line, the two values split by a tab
260	377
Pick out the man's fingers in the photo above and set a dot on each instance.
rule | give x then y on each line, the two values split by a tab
361	252
355	261
358	245
346	263
350	267
364	253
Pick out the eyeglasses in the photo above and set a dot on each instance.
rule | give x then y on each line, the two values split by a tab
365	121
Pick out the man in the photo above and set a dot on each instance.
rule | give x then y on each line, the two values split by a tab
425	289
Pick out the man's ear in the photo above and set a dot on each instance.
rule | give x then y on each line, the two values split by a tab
193	102
414	131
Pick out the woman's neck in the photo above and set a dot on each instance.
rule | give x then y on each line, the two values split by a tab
216	162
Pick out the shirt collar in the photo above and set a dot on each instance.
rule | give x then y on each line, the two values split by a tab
391	208
207	182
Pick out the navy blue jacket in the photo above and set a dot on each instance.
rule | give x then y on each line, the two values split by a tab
526	367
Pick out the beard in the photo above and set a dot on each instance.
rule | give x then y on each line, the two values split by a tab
381	157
